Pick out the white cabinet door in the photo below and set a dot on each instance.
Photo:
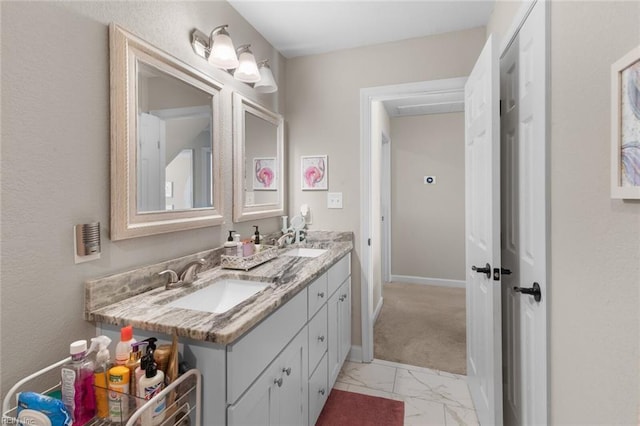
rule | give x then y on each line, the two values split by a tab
339	331
333	307
344	320
279	395
292	395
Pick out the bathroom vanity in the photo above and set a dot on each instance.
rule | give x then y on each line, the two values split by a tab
272	358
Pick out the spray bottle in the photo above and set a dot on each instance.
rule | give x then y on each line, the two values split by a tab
102	365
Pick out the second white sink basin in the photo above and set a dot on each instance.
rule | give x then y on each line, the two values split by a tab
220	296
304	252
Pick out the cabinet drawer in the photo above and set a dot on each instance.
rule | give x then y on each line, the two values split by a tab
318	391
317	294
339	272
317	338
249	356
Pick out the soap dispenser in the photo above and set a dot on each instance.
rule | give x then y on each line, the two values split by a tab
230	247
256	239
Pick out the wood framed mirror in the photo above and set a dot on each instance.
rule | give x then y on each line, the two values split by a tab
165	141
258	150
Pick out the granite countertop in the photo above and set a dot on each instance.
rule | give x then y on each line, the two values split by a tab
148	310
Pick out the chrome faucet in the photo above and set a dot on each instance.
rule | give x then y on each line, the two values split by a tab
187	277
190	272
282	241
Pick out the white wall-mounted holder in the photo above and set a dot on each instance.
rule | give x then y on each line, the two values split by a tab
86	242
305	212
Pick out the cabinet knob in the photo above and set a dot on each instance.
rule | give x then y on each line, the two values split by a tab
321	391
287	370
321	338
278	382
321	294
343	297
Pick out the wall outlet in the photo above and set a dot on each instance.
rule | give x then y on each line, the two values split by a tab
429	180
334	200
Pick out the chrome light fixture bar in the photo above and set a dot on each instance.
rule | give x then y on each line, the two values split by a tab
218	50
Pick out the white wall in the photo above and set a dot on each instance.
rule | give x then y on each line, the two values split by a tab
323	114
595	241
55	159
427	221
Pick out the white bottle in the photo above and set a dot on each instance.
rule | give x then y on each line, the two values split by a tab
236	239
149	386
123	348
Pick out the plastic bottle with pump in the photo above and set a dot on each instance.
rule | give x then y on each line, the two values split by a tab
78	395
123	348
230	247
100	374
256	239
149	386
144	362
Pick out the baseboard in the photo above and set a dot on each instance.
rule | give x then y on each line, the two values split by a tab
441	282
355	354
378	309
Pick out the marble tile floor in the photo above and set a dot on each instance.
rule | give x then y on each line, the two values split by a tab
430	397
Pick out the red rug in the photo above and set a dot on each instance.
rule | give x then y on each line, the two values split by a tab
354	409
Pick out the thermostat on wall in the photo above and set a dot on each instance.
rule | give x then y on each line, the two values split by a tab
429	180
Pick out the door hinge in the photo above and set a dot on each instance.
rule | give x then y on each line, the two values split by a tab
500	107
369	242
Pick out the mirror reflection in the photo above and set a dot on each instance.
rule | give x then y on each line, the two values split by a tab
261	180
258	146
174	152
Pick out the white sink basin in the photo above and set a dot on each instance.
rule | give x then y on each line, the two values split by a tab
304	252
220	296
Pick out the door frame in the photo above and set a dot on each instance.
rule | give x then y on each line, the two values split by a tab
368	96
381	93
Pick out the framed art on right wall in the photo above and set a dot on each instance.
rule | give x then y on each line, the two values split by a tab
625	126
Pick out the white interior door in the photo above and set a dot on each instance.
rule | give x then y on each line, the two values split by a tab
385	199
482	195
151	163
524	221
532	125
510	223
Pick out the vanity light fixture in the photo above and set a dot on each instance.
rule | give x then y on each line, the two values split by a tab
222	54
267	83
247	70
218	50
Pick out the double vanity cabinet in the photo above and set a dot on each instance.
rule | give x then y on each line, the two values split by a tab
272	361
281	372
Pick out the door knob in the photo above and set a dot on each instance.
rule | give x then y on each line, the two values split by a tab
533	291
486	270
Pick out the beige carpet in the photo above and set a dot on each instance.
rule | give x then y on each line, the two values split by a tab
424	326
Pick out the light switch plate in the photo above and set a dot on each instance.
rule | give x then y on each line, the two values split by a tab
334	200
429	180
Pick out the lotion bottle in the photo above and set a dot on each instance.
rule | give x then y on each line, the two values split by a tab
123	348
149	386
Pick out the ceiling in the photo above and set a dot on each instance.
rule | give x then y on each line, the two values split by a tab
300	28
